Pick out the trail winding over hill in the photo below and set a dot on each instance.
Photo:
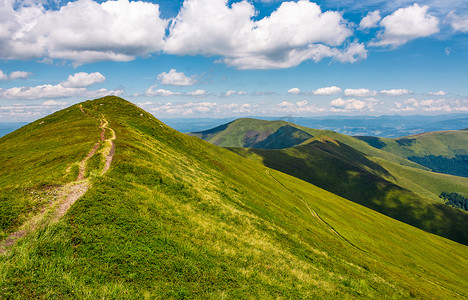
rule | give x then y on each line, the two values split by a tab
71	192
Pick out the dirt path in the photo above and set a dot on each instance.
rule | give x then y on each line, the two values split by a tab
315	214
69	193
82	167
110	145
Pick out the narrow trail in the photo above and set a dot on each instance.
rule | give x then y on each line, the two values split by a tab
315	214
72	191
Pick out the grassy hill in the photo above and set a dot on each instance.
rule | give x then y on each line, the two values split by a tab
177	217
342	170
253	133
441	151
358	170
238	133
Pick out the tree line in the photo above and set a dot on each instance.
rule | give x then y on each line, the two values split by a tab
455	200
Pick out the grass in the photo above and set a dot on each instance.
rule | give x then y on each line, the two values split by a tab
35	158
176	217
441	151
346	172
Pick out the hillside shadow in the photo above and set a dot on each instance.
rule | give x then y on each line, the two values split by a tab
346	172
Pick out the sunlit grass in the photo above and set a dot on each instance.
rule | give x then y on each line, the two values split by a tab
176	217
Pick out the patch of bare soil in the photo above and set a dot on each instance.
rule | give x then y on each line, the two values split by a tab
109	158
83	162
71	194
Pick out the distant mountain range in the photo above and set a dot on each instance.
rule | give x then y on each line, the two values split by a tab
102	200
382	126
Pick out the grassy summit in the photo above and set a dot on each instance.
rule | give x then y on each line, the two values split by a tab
177	217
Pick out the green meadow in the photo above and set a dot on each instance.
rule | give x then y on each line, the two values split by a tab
177	217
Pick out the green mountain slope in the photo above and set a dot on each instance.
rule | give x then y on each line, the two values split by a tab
359	171
441	151
238	133
253	133
176	217
344	171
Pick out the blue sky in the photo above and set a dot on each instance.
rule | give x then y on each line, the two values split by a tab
215	58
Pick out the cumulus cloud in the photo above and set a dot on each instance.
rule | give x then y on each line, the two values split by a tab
370	20
306	33
23	112
330	90
175	78
19	75
197	93
54	103
64	89
232	92
297	107
238	108
82	31
352	105
439	93
406	24
431	105
184	108
15	75
152	91
458	23
294	91
3	76
359	92
395	92
86	31
159	92
83	79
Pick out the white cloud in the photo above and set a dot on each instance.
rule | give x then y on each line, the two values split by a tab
359	92
64	89
352	105
19	75
238	108
294	91
395	92
15	75
232	92
82	31
54	103
86	31
175	78
197	93
406	24
431	105
3	76
458	23
297	107
184	108
211	27
23	112
83	79
439	93
330	90
159	92
370	20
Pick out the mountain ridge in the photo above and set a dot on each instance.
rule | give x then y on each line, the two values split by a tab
177	217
